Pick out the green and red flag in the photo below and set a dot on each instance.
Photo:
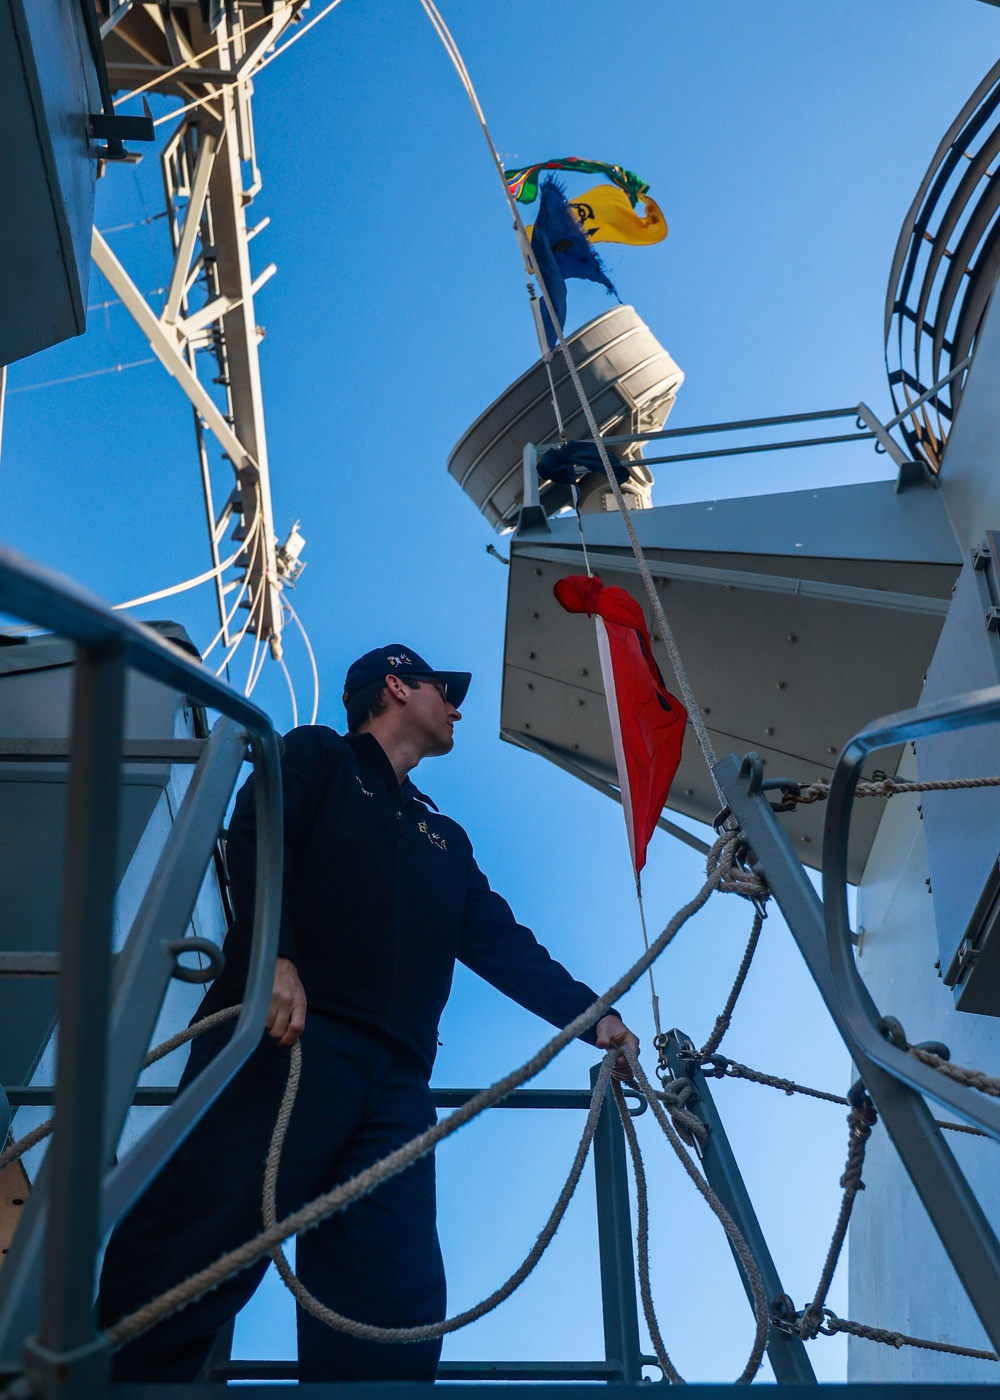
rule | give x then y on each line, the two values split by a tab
523	183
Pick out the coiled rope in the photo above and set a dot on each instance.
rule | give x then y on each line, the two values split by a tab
368	1331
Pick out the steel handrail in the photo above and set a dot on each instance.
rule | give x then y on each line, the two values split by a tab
862	1017
949	290
39	595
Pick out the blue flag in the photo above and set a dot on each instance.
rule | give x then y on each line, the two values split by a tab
561	249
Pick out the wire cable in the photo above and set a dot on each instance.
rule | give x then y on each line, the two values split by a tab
212	96
26	628
181	587
235	644
255	535
179	68
312	661
291	692
259	620
88	374
254	677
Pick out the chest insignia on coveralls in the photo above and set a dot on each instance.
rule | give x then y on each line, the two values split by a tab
432	836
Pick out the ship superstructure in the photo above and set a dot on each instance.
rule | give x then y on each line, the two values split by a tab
832	607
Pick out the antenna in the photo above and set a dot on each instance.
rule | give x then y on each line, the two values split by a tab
206	333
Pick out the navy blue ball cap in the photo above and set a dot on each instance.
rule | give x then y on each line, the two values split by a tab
405	662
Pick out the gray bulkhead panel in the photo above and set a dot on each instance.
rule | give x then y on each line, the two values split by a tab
921	894
775	604
35	698
899	1276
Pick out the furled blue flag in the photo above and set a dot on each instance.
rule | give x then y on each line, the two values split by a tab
561	249
560	464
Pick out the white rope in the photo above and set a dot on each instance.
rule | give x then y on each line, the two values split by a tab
579	526
691	703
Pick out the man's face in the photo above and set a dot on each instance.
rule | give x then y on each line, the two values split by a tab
432	716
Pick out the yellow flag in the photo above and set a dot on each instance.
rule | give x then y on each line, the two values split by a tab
608	217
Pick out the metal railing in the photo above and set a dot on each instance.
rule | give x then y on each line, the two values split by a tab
868	427
623	1355
108	1006
943	271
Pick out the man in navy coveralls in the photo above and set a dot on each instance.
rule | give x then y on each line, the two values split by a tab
381	895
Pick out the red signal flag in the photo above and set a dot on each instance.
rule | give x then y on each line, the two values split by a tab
647	722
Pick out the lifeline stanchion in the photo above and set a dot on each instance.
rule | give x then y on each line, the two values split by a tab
736	1240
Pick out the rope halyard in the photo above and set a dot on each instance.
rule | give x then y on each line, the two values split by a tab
665	630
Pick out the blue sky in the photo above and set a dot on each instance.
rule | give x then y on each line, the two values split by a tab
784	142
